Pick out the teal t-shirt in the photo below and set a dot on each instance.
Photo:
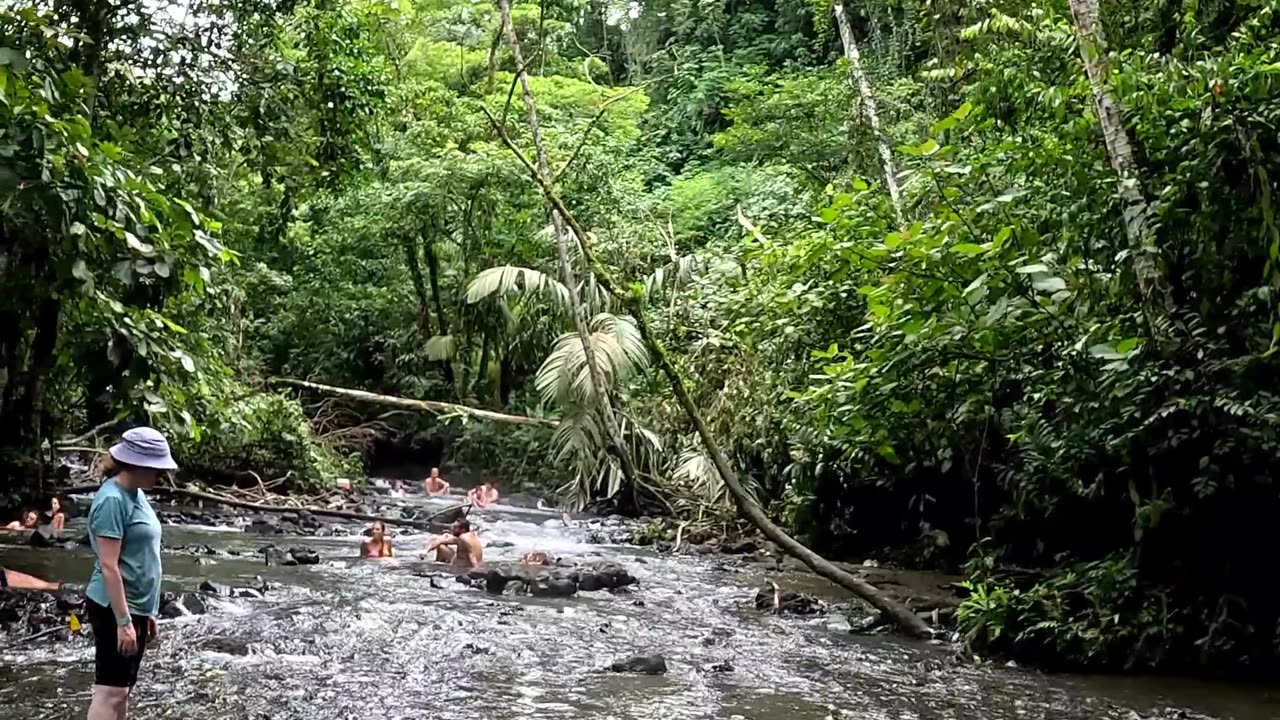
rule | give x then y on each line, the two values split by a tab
126	515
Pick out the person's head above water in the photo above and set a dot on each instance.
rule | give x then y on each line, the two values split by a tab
460	527
30	518
379	529
55	505
140	458
435	472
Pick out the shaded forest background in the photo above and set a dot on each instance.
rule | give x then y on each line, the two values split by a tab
926	305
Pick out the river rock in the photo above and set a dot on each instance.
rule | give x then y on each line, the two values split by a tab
724	666
175	606
303	555
212	588
744	547
642	664
790	602
553	586
27	613
605	576
263	526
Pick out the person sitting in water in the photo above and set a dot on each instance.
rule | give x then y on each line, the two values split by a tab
435	485
57	518
397	489
460	546
483	495
535	558
377	545
30	521
22	581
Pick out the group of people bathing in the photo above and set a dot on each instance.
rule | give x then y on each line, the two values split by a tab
31	518
460	546
480	496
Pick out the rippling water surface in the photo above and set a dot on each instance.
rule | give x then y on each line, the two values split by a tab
401	639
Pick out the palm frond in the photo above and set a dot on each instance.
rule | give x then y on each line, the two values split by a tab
441	347
565	377
698	474
671	278
505	279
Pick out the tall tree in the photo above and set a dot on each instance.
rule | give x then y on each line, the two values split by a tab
1139	225
870	109
599	388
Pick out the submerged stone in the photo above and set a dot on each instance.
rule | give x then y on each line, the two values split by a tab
641	664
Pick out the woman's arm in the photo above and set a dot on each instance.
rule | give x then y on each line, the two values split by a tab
22	581
59	521
439	540
109	559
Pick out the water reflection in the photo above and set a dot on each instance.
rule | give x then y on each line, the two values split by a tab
350	639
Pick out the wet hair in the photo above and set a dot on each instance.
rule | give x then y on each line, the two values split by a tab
462	524
376	524
28	512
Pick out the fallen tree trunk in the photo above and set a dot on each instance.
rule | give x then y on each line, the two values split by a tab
902	616
431	406
424	524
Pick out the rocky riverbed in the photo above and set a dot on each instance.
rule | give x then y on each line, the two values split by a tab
291	624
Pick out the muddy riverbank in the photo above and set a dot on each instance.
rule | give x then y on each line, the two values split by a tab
345	638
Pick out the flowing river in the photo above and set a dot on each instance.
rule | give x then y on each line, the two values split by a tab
400	640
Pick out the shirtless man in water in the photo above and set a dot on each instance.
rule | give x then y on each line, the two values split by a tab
435	485
460	546
483	495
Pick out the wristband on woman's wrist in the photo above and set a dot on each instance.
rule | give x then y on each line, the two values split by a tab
124	620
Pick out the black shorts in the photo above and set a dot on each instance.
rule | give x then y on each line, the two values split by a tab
4	579
110	667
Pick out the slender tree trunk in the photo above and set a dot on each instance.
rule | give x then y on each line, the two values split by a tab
442	322
870	109
599	390
1139	227
414	263
901	615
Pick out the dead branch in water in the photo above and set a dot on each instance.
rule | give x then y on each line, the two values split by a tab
424	523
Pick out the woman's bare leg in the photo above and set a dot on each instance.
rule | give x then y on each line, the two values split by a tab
109	703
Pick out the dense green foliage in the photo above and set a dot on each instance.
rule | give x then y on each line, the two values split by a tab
317	193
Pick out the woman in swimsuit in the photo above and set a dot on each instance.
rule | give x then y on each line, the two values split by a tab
377	545
30	520
57	518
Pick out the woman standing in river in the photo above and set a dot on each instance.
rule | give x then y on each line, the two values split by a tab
123	596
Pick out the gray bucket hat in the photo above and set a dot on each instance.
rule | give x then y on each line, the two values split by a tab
144	447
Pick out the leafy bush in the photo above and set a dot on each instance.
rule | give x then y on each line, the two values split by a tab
269	435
